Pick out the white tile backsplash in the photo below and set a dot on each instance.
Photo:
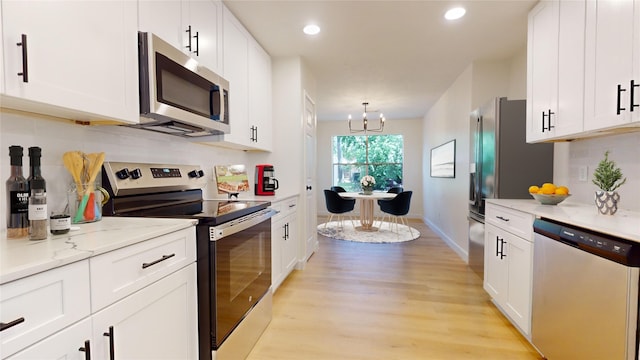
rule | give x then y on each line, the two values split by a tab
119	143
623	149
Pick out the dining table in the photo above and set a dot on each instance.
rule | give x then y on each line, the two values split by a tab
367	206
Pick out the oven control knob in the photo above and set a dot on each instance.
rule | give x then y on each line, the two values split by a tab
136	173
200	173
193	174
122	174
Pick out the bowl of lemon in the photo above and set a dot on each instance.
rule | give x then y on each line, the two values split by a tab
549	193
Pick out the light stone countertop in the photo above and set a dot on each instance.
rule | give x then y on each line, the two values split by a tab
22	257
624	224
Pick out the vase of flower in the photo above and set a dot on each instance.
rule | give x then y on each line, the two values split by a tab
607	177
367	183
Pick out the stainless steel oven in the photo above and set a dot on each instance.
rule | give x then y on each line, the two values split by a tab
233	241
234	274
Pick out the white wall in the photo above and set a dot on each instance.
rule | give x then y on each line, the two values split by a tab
411	130
118	143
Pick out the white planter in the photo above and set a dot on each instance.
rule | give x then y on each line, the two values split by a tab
607	202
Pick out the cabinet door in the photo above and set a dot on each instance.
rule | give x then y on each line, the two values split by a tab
517	304
162	17
64	344
542	68
555	70
236	70
495	265
260	96
290	245
157	322
205	18
82	58
612	60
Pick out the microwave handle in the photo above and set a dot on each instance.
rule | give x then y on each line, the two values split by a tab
216	96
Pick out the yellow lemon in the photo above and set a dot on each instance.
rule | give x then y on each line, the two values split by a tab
533	189
562	190
549	187
547	190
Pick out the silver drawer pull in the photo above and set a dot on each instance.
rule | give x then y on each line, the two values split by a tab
163	258
501	218
5	326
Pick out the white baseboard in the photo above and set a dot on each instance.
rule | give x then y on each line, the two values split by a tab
452	244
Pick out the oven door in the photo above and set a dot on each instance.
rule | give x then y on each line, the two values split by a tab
239	269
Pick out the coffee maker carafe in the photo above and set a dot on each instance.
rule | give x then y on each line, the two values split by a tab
266	183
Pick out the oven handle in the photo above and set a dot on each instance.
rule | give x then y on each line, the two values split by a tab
243	223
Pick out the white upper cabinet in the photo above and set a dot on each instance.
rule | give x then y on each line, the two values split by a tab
77	60
247	67
555	70
612	64
193	26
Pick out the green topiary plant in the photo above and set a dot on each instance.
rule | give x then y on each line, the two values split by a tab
607	176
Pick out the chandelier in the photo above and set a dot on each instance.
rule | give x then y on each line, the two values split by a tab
365	122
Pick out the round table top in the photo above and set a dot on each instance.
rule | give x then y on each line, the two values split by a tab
373	196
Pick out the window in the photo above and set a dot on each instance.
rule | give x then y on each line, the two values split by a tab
382	155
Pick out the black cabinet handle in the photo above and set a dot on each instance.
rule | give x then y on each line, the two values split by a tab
109	334
632	95
188	31
284	228
163	258
5	326
502	218
87	350
25	63
618	108
550	126
543	116
197	37
502	254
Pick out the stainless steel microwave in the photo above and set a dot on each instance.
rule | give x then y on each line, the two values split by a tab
178	96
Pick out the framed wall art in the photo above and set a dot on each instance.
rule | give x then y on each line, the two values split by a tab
443	160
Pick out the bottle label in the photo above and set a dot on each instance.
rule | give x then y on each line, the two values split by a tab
60	223
19	202
37	212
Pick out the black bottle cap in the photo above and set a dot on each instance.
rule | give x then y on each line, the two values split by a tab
15	152
34	155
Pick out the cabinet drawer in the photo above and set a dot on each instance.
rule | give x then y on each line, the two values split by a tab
516	222
47	302
284	208
119	273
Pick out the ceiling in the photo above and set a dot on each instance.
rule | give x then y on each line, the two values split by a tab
400	56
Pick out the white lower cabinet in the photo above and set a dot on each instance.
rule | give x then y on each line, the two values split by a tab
137	302
508	265
157	322
284	241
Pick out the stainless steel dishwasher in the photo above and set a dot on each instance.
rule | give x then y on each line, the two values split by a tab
585	294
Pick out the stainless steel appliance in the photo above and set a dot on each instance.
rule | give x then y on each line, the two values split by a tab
585	294
178	96
502	165
233	249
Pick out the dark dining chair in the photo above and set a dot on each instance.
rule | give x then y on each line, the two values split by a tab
336	205
338	189
393	190
397	208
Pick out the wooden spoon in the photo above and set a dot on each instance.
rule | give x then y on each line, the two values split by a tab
73	162
94	169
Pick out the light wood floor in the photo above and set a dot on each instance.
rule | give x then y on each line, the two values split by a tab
412	300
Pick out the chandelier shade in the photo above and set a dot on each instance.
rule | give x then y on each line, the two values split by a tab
365	123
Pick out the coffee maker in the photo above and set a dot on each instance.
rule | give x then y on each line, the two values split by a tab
266	183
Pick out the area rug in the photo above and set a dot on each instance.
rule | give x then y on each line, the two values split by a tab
383	235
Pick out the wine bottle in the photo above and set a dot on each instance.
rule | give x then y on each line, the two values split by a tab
37	198
17	189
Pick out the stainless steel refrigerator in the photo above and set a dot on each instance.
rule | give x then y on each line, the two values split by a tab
502	165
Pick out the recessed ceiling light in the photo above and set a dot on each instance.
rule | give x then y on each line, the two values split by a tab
311	29
455	13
